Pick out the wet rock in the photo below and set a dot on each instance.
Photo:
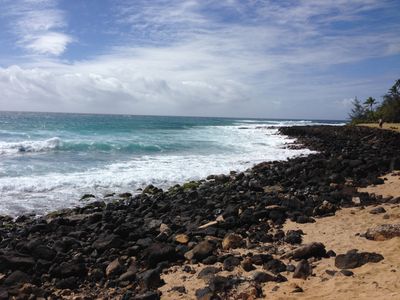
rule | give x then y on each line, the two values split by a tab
314	249
303	270
383	232
87	197
232	241
352	259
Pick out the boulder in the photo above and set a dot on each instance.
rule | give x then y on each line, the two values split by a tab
352	259
17	277
314	249
303	270
200	251
150	279
160	252
383	232
260	277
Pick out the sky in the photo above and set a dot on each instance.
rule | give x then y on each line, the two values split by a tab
230	58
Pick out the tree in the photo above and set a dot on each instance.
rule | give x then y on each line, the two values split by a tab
370	102
358	111
390	107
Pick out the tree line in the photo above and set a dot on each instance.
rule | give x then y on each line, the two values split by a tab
371	111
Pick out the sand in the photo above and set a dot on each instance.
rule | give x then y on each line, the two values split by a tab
338	233
389	126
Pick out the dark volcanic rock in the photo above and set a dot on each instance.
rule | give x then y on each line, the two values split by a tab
150	279
306	251
67	283
200	251
16	262
208	272
16	277
230	263
263	277
275	266
154	229
160	252
67	269
352	259
377	210
303	270
106	241
293	237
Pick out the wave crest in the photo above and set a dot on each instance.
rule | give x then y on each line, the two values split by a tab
30	146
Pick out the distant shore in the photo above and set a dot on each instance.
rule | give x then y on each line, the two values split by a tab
238	235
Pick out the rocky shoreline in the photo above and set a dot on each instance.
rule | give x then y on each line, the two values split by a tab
120	249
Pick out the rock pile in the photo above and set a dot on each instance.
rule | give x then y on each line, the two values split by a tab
120	248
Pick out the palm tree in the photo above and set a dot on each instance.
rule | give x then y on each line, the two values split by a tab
370	102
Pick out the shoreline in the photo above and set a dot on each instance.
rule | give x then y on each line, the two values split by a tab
121	249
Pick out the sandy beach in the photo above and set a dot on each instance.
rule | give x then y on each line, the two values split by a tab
339	233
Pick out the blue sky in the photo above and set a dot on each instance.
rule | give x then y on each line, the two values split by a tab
249	58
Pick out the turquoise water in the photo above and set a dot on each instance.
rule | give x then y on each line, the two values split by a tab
48	160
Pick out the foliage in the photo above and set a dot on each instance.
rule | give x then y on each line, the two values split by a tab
388	110
358	113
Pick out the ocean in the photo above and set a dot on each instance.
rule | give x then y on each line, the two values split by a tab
49	160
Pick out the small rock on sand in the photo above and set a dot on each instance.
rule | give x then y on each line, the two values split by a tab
383	232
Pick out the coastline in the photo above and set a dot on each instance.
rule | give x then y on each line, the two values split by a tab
121	249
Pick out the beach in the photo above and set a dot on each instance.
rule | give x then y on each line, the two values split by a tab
280	230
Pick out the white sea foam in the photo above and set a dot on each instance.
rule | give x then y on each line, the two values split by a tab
44	193
29	146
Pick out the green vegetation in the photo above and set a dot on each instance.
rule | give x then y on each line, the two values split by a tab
388	110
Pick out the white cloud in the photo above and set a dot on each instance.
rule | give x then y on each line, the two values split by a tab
252	58
38	26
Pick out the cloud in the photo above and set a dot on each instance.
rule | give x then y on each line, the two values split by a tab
251	58
38	26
